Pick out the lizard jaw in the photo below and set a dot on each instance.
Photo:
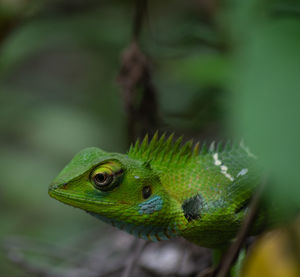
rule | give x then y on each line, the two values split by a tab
78	200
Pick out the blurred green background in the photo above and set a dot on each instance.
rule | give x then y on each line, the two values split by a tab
221	69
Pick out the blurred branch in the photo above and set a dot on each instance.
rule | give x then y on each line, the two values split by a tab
233	251
140	13
135	79
136	82
133	259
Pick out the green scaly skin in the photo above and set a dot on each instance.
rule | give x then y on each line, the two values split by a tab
162	189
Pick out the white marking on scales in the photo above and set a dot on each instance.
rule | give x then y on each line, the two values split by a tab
137	177
216	158
242	172
224	168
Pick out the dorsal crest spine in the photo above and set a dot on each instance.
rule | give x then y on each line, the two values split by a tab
166	149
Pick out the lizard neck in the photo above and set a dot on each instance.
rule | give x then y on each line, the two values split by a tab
147	232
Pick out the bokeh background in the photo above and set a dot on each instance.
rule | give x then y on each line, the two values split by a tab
218	70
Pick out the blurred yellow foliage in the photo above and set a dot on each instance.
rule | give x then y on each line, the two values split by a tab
273	256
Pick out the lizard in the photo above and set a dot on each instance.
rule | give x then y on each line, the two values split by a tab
163	188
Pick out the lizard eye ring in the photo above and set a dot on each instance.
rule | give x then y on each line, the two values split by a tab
106	176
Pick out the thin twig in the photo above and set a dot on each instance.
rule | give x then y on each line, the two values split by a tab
232	253
140	12
133	259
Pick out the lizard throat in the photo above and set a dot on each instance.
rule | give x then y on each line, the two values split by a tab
151	233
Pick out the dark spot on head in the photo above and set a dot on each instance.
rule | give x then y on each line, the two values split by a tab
192	207
146	192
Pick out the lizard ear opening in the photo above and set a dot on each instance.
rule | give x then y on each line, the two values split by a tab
107	176
146	192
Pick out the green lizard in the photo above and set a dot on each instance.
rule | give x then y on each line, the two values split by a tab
162	189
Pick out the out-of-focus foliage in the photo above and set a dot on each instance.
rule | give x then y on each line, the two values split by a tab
221	70
265	107
275	254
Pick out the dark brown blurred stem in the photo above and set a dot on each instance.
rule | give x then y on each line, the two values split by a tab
140	13
135	80
233	251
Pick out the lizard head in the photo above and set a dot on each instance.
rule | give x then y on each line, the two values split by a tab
123	191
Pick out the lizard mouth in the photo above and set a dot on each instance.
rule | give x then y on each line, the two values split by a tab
76	200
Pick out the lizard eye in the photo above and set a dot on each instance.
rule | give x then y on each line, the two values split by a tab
107	176
102	179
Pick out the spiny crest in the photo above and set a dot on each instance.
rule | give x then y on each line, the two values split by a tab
162	149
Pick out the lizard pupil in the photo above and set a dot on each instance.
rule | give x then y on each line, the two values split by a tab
100	178
146	192
104	181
